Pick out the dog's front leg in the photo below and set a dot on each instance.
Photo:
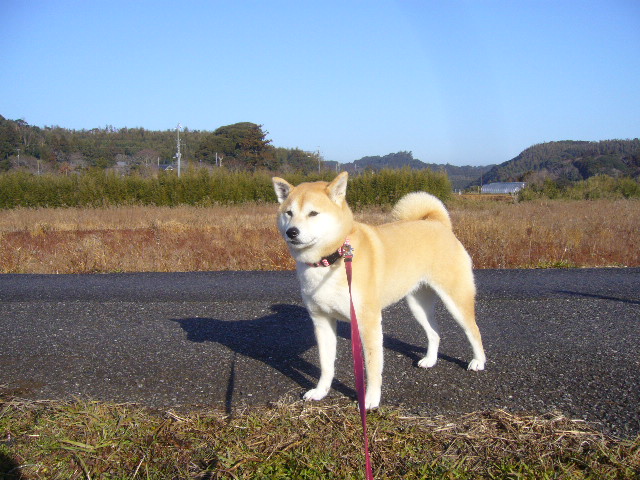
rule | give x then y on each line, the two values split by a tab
370	324
325	329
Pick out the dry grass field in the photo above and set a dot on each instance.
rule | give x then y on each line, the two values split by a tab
497	234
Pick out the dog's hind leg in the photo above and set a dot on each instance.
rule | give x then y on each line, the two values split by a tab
422	304
325	330
462	308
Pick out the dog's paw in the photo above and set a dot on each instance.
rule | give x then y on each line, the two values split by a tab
475	365
372	400
315	394
427	362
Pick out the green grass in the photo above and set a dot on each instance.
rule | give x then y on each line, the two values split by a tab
292	440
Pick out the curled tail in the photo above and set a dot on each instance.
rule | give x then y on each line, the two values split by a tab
421	206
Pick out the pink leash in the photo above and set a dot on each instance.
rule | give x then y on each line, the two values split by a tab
358	362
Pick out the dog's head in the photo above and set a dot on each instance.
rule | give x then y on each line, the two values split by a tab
313	218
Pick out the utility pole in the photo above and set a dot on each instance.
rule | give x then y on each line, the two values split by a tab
178	154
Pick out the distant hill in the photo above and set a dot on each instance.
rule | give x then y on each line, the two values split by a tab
569	161
460	177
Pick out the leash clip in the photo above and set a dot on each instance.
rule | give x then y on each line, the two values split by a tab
347	251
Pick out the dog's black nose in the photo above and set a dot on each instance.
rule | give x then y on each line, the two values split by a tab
293	232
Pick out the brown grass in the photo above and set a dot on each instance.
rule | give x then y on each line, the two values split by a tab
550	233
498	234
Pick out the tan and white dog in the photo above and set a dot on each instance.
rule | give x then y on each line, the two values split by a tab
416	257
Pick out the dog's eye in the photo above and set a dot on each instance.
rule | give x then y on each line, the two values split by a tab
313	213
289	212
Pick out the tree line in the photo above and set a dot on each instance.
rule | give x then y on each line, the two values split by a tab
241	146
245	147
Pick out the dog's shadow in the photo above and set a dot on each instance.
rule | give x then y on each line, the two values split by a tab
279	339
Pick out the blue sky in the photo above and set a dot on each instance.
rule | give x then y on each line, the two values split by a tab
460	82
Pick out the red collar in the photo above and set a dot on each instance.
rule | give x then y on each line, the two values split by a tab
345	251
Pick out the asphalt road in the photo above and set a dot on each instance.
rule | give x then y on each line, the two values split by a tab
562	340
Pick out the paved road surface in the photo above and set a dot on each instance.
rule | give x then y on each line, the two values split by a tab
555	339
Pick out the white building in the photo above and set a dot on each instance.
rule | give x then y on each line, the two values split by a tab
503	187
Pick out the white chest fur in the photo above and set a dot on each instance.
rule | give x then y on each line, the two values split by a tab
325	289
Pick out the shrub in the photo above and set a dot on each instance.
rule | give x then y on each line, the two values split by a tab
593	188
200	187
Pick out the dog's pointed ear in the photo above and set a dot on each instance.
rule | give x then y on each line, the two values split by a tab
282	188
338	188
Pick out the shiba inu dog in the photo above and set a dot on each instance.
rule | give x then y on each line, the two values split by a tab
416	257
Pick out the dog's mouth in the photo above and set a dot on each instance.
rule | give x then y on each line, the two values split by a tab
299	244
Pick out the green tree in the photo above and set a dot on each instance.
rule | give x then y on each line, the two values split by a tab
9	142
255	149
244	145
